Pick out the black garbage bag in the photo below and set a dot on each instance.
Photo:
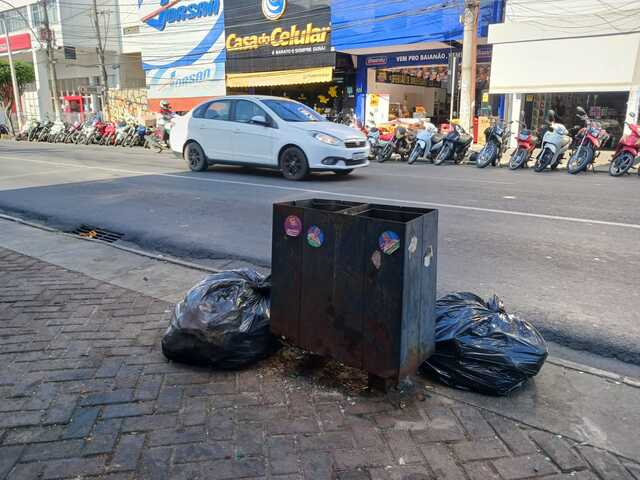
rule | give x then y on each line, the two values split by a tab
223	322
480	347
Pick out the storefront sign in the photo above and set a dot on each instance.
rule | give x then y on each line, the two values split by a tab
183	52
22	41
272	35
166	13
406	59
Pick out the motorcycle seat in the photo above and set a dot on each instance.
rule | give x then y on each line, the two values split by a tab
465	139
436	138
566	140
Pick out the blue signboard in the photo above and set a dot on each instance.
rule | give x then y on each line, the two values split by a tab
366	23
407	59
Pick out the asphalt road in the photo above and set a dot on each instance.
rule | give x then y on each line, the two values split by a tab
560	250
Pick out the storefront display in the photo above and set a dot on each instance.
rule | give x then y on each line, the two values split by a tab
609	108
416	83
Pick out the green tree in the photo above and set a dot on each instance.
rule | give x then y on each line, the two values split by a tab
25	74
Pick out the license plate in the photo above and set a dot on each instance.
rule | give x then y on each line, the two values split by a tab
359	156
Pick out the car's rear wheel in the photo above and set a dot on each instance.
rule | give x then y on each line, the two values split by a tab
293	163
343	173
195	157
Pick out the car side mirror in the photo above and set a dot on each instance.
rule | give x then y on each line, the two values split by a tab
260	120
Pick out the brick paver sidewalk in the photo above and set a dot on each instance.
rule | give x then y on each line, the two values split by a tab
85	392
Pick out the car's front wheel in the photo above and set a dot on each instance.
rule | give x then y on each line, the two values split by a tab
293	163
195	157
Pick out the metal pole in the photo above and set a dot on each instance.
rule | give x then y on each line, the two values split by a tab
14	81
454	67
103	68
469	45
52	65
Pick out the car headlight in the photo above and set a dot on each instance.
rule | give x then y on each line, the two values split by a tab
328	139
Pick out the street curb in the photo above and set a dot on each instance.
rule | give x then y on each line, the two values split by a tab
605	374
578	367
142	253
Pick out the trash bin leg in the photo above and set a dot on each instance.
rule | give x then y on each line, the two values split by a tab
381	384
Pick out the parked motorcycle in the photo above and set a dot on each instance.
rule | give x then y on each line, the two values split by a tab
400	144
373	138
27	129
587	144
555	142
497	141
455	147
427	145
627	151
56	131
43	134
527	141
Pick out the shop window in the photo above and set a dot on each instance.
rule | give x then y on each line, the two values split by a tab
218	110
608	108
37	13
15	20
246	110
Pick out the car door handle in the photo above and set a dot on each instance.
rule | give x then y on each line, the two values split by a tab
236	130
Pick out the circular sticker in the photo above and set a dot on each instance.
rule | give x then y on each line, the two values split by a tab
315	237
389	242
293	226
376	259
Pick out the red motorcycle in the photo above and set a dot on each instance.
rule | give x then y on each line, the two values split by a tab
527	141
109	135
587	142
626	152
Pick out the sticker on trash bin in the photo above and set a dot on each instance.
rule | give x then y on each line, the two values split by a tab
293	226
376	259
413	244
389	242
315	237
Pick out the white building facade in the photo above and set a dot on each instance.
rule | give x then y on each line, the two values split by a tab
76	61
181	46
569	53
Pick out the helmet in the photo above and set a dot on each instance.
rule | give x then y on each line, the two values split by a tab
551	115
164	104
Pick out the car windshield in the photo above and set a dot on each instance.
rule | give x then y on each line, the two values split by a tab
290	111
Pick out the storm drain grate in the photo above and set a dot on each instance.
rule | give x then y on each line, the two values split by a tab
98	233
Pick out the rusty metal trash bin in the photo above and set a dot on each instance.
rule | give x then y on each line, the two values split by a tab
356	282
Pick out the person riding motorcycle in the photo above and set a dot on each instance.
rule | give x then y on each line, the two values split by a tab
165	116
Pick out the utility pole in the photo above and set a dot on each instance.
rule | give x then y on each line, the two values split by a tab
14	81
51	62
103	68
469	52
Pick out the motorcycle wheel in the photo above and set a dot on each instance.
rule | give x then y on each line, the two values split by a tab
518	159
486	155
414	155
443	155
621	164
580	159
543	161
384	154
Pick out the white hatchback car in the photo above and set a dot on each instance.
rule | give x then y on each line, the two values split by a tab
269	132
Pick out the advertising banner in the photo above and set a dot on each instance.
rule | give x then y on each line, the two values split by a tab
183	54
272	35
438	56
